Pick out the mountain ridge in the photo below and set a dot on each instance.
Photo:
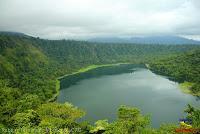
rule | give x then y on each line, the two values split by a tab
162	40
174	40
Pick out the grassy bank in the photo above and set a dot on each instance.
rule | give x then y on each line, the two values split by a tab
82	70
185	87
147	66
57	91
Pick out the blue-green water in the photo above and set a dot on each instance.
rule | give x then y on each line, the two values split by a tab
100	94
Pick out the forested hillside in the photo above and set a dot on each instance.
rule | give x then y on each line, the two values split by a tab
24	66
181	68
75	54
29	67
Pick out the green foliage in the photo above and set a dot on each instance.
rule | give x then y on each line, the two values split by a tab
184	67
59	115
8	101
75	54
28	101
194	115
25	66
33	64
30	66
27	119
167	129
129	121
100	126
196	88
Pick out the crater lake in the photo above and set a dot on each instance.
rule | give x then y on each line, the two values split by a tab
101	91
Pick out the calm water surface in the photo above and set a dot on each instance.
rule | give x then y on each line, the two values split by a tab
100	94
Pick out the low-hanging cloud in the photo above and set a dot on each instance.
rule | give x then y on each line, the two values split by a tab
91	18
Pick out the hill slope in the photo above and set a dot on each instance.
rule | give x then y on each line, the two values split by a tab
33	64
181	68
29	67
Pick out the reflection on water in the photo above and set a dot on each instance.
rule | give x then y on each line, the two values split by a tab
98	72
101	91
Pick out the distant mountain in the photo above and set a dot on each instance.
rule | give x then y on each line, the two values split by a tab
12	33
147	40
173	40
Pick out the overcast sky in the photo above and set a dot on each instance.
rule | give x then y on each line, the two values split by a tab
55	19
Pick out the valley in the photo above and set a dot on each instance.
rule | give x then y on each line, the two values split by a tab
30	68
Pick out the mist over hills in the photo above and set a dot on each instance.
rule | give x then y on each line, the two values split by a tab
162	40
12	33
175	40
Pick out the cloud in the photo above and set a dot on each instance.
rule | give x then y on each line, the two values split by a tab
90	18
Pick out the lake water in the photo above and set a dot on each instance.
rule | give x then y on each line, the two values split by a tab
101	91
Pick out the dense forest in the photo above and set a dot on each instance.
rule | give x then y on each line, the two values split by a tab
182	68
29	68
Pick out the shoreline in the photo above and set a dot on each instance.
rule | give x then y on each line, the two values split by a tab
82	70
147	66
90	67
54	97
184	87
